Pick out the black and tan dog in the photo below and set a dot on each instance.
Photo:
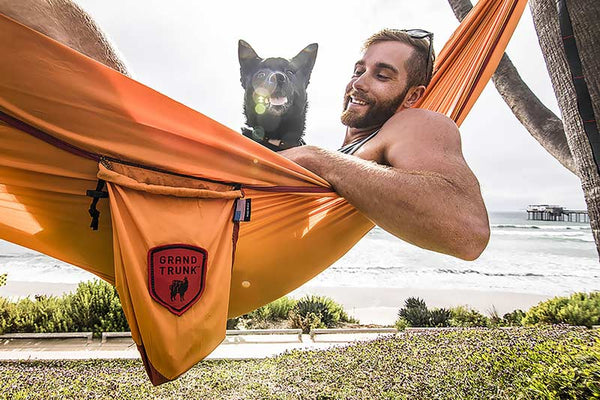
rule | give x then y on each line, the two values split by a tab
275	96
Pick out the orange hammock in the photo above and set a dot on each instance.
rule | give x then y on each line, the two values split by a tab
175	178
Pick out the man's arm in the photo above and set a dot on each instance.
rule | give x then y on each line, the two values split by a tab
66	22
427	196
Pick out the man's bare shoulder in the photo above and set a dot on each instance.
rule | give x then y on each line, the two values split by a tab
422	124
420	138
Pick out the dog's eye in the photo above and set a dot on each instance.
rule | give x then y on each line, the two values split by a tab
261	75
289	72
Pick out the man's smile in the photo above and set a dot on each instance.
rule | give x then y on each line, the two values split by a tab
357	102
354	100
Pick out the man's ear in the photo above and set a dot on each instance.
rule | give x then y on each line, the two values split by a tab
305	60
248	59
413	96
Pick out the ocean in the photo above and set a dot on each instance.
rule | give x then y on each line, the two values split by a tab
523	256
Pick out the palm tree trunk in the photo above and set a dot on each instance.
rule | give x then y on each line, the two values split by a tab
584	15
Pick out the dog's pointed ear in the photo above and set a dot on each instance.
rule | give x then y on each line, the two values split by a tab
248	58
305	60
246	52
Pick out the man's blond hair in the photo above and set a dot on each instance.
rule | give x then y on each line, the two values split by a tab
417	66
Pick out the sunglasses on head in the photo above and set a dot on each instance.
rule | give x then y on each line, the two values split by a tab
422	34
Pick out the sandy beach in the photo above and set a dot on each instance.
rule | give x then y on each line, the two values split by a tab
381	305
369	305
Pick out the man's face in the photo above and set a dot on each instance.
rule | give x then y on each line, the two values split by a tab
378	85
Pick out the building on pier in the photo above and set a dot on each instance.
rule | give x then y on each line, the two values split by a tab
546	212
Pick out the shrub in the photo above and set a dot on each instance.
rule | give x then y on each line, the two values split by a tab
320	307
232	323
582	309
463	316
280	308
324	312
95	307
41	315
262	317
494	317
6	315
308	312
306	322
261	314
401	324
514	318
274	311
439	317
415	312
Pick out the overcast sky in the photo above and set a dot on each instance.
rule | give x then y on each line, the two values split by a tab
188	51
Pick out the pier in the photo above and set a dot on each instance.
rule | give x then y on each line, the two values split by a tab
545	212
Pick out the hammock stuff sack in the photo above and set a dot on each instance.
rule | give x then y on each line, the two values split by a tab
194	223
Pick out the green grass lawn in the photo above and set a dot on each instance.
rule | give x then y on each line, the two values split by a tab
518	363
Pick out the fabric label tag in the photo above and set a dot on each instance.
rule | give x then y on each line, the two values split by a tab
177	275
242	210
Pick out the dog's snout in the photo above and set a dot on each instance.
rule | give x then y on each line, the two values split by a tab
277	77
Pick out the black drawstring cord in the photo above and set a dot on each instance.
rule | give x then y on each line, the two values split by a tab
96	195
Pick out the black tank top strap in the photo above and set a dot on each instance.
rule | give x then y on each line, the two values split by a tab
351	148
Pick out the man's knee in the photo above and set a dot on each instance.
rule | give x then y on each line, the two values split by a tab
66	22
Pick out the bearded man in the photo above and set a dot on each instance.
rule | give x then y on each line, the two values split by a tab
402	167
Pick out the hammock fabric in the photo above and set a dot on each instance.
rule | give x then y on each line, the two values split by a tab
175	179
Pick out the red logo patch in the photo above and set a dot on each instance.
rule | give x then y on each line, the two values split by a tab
176	275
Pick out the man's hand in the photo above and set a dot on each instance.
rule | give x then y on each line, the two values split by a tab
426	195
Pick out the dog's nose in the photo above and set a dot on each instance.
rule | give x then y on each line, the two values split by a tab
277	77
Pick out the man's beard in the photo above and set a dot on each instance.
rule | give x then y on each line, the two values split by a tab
375	115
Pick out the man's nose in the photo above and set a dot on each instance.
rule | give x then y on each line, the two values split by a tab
360	83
